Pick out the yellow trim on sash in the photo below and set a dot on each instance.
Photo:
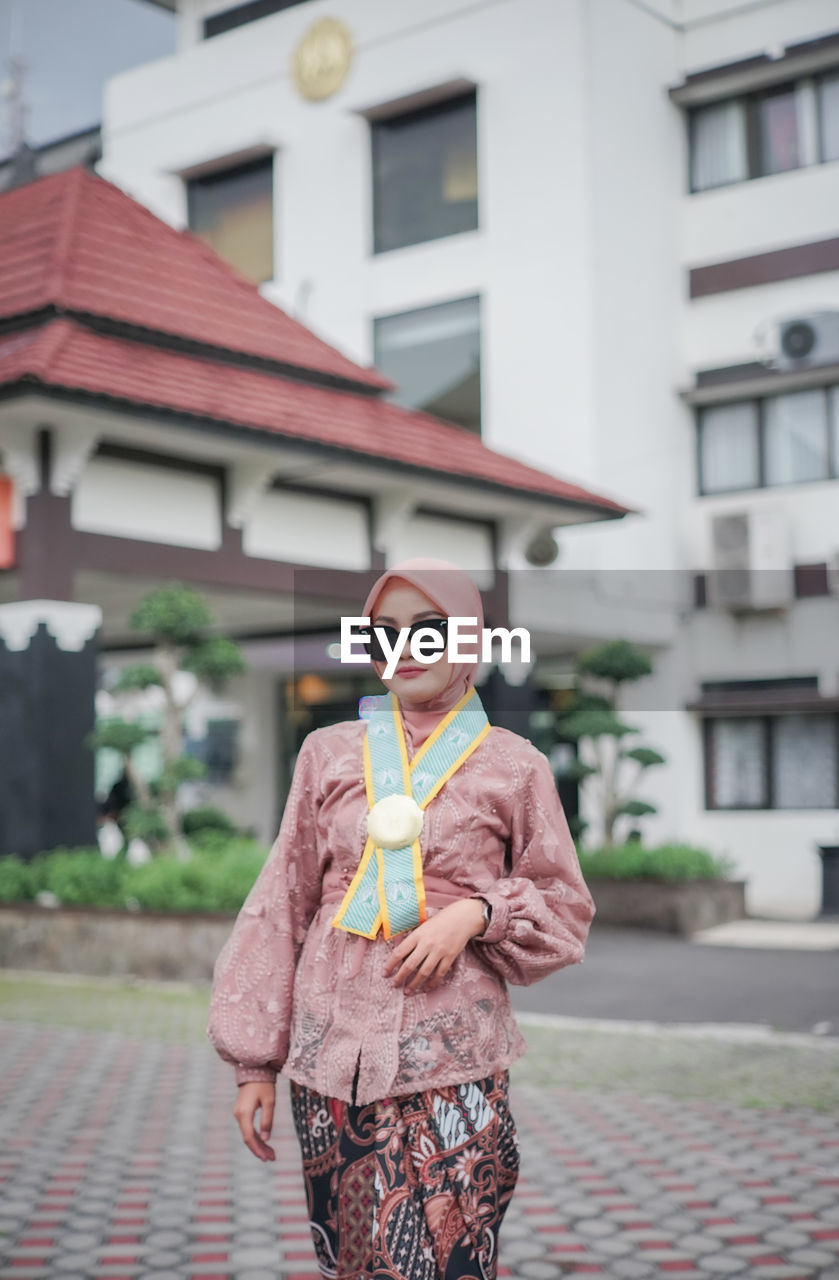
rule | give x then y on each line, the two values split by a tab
419	883
368	773
383	915
369	850
438	729
403	748
441	782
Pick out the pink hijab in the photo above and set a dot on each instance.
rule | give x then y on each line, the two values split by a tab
454	594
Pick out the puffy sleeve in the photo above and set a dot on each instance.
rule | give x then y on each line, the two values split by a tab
253	976
542	911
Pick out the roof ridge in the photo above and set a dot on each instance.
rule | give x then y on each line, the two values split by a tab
74	181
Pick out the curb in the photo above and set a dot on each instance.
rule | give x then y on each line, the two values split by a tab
731	1032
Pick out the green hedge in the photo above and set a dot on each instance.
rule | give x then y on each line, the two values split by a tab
222	871
218	878
632	861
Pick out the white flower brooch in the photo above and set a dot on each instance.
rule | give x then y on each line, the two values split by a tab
395	822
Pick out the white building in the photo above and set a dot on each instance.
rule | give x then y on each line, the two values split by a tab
564	223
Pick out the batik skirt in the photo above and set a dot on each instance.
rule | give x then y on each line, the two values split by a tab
409	1188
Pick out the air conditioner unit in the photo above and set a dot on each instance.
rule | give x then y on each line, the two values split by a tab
807	340
751	562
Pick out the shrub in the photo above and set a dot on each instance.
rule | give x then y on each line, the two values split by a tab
19	881
665	862
206	818
82	876
218	877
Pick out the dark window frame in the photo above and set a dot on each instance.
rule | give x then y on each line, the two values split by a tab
239	15
760	427
768	749
416	115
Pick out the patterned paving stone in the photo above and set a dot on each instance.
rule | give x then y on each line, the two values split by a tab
524	1249
142	1174
632	1268
811	1257
724	1264
596	1227
698	1245
537	1270
614	1247
785	1239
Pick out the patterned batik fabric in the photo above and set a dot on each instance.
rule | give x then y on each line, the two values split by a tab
412	1187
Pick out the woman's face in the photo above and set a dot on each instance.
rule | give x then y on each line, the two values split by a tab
400	605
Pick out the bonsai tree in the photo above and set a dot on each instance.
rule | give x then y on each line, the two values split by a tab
594	717
175	618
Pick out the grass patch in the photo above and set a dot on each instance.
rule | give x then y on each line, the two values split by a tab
748	1074
148	1012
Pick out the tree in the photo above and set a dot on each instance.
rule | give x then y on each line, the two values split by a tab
594	716
176	619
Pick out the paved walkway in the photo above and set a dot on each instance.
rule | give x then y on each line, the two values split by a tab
120	1158
652	976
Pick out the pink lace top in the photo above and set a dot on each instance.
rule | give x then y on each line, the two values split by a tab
293	994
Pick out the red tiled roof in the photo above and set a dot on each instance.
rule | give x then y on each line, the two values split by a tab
85	259
77	242
67	355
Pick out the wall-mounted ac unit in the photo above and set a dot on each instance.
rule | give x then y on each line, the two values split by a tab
751	562
807	340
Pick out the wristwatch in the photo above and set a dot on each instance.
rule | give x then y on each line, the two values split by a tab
487	910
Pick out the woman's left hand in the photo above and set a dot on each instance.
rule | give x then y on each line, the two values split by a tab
430	950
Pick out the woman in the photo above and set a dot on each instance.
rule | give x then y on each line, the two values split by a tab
369	962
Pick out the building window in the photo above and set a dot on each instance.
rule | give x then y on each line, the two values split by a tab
240	14
434	357
776	131
828	94
217	748
233	210
772	762
758	134
737	760
804	762
718	145
728	447
833	427
796	437
781	439
425	174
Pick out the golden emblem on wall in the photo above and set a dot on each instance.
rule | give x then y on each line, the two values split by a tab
322	59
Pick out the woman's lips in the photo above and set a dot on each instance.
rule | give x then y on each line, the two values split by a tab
411	672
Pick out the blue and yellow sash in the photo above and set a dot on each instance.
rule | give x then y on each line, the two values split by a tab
387	890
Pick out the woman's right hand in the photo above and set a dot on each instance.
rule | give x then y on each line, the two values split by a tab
256	1095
